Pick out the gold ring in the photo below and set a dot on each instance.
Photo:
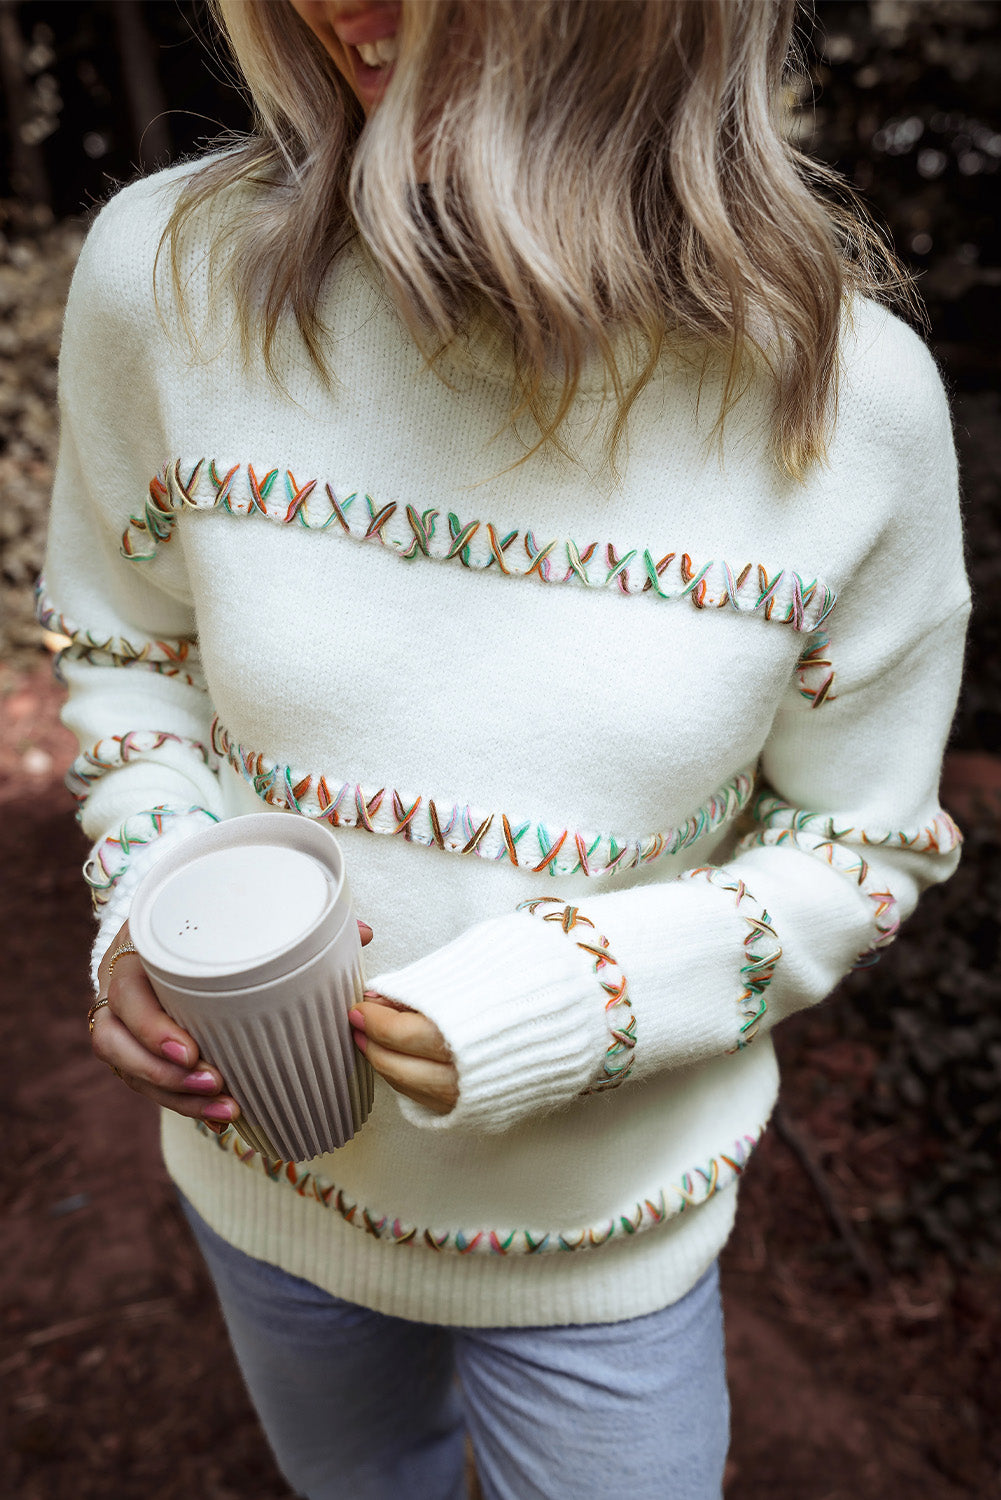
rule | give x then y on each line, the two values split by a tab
119	953
103	1000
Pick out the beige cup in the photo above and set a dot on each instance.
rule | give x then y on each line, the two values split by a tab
248	935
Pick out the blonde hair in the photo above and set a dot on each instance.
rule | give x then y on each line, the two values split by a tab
585	178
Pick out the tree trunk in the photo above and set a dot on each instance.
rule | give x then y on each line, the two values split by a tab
29	179
143	90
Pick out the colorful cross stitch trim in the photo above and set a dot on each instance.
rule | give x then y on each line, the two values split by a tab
110	858
118	750
617	1062
824	836
178	658
849	862
940	836
815	670
694	1188
762	950
277	495
466	830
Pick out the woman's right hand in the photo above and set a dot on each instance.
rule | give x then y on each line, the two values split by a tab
134	1035
152	1054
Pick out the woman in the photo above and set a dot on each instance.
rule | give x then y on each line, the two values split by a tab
529	477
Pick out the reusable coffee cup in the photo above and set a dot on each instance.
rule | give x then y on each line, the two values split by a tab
247	933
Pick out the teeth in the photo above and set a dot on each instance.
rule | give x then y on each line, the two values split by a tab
378	54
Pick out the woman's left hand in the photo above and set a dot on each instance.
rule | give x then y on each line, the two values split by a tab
407	1050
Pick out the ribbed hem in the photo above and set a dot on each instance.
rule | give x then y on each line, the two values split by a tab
522	1011
624	1279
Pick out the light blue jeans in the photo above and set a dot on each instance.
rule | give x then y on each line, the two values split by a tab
361	1406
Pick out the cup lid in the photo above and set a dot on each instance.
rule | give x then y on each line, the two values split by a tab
233	907
236	906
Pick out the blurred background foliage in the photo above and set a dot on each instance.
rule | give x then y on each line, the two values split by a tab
905	105
907	108
902	97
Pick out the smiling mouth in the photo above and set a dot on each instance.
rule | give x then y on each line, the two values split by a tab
378	55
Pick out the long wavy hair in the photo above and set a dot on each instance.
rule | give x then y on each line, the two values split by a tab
582	178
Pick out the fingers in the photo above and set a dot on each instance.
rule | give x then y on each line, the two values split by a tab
195	1092
152	1054
433	1084
131	998
407	1050
399	1030
365	933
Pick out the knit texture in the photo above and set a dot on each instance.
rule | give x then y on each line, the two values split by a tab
532	698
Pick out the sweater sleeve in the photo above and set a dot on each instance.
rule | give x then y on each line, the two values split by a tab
136	699
847	831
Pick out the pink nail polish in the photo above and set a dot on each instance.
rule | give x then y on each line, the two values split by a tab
361	1041
175	1051
202	1082
356	1018
219	1110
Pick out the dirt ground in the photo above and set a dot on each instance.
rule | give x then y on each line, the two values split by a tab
117	1382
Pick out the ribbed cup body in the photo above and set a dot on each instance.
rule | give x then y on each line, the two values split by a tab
278	1031
286	1052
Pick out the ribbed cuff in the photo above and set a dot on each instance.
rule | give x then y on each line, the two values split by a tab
522	1010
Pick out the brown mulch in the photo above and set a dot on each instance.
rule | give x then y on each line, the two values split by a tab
116	1378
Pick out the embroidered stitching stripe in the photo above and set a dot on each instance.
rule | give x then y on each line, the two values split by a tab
276	495
815	670
110	858
459	829
178	658
940	836
617	1062
118	750
821	835
693	1189
849	862
762	950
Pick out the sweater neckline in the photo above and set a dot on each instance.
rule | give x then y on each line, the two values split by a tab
482	351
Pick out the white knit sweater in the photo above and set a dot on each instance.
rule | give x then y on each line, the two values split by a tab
502	684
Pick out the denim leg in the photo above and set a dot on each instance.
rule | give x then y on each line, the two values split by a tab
355	1405
637	1408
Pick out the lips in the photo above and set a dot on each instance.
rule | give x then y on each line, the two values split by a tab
369	83
372	24
369	38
